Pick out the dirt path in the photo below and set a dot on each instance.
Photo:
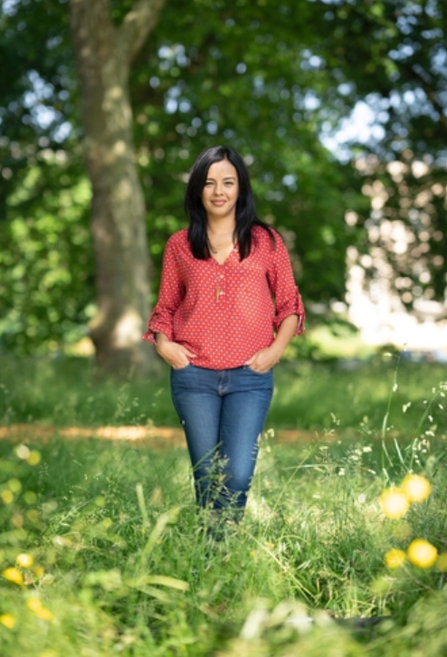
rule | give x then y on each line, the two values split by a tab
153	437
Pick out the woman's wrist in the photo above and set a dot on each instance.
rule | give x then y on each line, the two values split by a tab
276	350
285	334
160	341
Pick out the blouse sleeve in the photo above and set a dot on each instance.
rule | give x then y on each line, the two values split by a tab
282	284
169	298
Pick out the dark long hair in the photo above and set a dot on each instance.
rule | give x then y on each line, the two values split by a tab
245	206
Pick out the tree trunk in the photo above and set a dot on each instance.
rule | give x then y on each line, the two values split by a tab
104	54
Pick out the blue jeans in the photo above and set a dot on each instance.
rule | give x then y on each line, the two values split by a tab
223	414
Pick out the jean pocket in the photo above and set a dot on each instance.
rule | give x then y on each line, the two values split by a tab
181	369
250	369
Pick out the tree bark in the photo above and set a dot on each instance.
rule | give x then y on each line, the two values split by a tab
104	54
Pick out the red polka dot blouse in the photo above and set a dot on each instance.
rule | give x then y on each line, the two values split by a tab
225	313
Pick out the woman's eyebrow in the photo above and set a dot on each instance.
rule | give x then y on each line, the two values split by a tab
226	178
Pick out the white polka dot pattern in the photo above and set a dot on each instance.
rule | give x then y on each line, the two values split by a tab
225	313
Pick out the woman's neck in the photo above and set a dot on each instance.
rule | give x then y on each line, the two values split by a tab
220	227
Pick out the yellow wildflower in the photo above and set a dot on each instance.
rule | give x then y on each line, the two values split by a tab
421	553
395	503
34	458
24	560
7	496
395	558
8	621
39	571
22	451
44	614
13	575
416	487
35	605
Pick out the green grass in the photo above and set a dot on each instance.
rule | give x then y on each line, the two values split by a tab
121	563
320	398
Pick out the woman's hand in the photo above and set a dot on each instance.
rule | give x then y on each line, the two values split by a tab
176	355
264	359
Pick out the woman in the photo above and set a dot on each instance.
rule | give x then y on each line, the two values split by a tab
227	308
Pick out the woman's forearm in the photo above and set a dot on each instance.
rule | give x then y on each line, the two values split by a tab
285	333
160	338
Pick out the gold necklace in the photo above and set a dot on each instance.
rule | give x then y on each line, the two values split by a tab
215	249
218	273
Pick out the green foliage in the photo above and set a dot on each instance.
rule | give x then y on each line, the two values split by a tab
46	259
272	81
394	56
46	264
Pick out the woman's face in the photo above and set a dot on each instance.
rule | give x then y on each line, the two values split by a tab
221	190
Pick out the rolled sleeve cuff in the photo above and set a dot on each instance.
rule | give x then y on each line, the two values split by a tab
293	306
157	325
